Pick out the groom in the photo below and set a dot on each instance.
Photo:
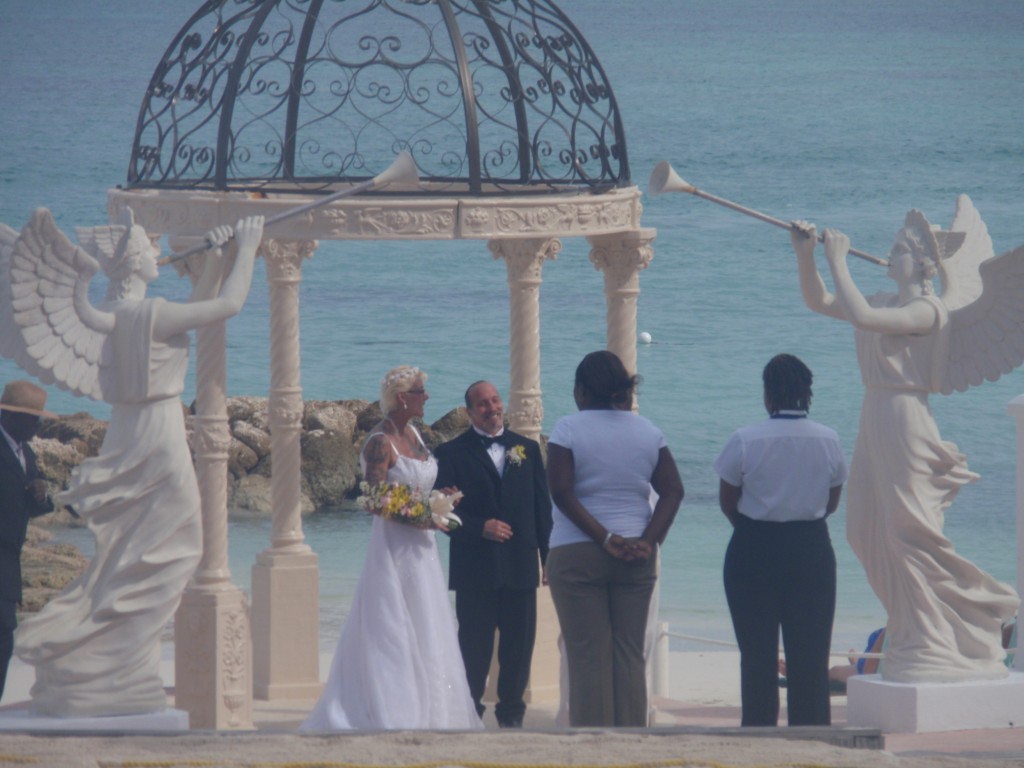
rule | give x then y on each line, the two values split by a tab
495	557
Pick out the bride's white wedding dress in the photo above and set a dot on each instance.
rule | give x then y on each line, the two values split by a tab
397	664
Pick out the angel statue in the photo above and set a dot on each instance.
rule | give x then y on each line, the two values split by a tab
944	613
95	647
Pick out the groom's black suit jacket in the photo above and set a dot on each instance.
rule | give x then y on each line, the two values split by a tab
520	498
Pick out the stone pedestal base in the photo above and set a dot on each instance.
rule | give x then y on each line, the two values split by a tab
930	707
212	659
286	626
25	720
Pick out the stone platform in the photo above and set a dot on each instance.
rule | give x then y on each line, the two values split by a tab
935	707
22	719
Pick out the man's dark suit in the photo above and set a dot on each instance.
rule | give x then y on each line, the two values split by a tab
496	583
17	505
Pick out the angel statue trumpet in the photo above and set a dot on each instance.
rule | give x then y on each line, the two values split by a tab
944	613
96	646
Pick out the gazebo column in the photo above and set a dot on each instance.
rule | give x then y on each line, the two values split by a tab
212	646
621	257
285	577
524	260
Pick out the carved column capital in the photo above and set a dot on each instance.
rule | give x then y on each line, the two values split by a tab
620	257
284	257
525	257
524	261
191	266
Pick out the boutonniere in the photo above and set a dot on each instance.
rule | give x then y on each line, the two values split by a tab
516	455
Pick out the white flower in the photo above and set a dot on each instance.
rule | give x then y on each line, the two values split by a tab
441	506
516	455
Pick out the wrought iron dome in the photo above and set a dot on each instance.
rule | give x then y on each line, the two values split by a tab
490	97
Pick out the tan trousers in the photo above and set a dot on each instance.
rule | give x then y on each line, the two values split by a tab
602	606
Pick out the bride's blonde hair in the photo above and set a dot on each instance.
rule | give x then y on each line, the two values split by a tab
396	381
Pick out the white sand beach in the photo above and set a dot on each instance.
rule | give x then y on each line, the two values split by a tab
696	726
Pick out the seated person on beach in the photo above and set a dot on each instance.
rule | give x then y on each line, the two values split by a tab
877	644
840	673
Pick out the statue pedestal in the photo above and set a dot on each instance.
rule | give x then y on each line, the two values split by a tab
25	720
931	707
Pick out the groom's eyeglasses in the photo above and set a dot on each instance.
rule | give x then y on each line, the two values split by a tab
415	391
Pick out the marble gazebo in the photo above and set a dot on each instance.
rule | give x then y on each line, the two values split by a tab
259	106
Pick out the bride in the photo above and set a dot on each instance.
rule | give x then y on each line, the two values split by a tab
397	664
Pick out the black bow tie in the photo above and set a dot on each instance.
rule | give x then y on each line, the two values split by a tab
488	440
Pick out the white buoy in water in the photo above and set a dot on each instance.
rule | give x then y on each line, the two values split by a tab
645	337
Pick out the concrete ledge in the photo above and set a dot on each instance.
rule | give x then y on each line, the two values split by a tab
933	707
836	736
24	720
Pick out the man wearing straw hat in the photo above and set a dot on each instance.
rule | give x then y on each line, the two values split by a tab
22	496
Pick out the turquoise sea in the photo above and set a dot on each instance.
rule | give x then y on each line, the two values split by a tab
846	114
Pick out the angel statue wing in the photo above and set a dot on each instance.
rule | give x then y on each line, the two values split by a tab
47	325
985	298
961	280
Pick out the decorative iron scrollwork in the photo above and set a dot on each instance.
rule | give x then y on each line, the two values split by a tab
490	97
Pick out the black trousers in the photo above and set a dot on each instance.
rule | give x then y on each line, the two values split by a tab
8	623
782	575
513	613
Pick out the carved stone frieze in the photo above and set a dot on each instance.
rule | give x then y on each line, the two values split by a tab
179	212
558	216
158	212
379	222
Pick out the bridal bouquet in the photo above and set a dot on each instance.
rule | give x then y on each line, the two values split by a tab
398	502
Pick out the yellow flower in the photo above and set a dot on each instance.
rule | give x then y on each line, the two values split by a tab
516	455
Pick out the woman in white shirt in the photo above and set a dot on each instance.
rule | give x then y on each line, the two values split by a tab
602	463
780	479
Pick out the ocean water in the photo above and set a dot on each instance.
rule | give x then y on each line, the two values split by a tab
846	115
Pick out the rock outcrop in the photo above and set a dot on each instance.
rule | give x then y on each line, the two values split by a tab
333	432
46	568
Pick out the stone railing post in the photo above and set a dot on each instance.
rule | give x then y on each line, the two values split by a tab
524	260
212	648
285	577
1016	411
621	257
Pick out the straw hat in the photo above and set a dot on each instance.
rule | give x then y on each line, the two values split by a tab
25	397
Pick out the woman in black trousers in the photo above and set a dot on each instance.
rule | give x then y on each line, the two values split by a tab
780	479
